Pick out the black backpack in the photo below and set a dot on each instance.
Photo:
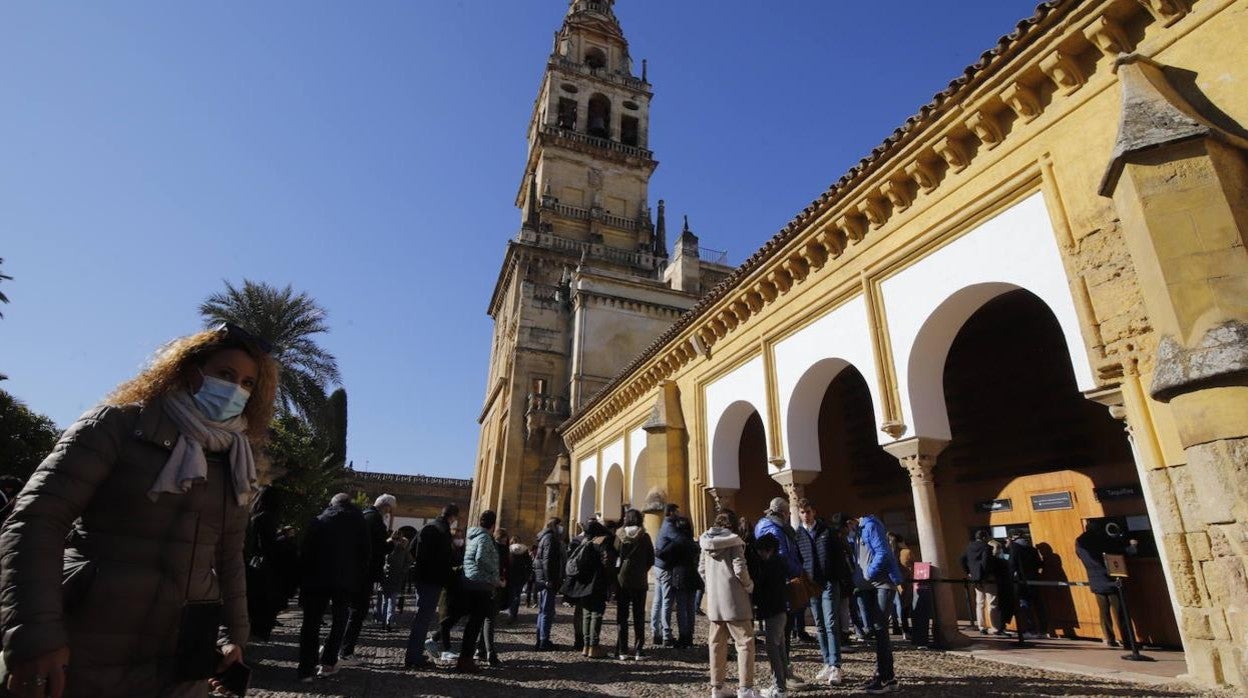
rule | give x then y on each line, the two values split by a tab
583	560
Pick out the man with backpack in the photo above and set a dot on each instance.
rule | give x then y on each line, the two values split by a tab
586	584
433	569
636	555
977	564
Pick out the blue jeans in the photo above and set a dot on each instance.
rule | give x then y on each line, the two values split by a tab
426	611
826	608
683	600
546	600
877	603
389	602
661	610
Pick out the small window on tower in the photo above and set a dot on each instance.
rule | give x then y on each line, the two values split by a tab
629	130
595	58
599	116
539	386
567	113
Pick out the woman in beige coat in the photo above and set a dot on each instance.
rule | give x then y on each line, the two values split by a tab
139	513
728	607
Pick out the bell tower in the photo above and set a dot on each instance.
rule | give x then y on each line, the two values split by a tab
585	284
587	177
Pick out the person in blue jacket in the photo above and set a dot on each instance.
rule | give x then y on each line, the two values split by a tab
877	577
661	609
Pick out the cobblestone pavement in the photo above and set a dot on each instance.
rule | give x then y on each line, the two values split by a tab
661	673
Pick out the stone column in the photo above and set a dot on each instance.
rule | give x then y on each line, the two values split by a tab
1179	183
918	456
794	483
667	461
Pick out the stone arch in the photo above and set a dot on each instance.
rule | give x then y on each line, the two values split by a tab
612	492
588	500
725	468
802	413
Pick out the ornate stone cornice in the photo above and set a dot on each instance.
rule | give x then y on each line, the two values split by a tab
947	135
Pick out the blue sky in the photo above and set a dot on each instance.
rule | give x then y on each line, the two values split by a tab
369	153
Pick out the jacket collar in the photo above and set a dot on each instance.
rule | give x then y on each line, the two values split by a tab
154	425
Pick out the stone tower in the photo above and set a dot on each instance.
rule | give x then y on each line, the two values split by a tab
585	284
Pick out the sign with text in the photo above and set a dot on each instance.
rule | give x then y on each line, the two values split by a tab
1052	501
991	505
1109	494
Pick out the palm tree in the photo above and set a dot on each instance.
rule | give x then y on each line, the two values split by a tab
288	320
4	298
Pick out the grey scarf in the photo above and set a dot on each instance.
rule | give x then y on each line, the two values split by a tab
187	463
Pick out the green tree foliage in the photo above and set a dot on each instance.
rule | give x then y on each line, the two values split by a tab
289	321
307	478
26	437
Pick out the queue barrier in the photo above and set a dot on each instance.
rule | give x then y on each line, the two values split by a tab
1128	630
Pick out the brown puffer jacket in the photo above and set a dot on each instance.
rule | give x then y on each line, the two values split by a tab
120	614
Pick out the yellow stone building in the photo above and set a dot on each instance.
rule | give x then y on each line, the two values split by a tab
1026	309
588	282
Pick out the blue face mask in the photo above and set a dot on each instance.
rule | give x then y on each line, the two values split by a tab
221	400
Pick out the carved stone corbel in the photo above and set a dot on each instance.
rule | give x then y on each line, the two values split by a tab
1022	100
953	152
853	227
897	193
923	174
1108	36
986	128
1063	70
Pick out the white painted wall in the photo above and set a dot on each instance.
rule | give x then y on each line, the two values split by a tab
928	302
636	476
612	492
807	361
587	503
729	403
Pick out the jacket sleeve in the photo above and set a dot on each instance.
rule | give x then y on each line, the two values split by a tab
741	569
232	573
541	569
648	552
966	568
882	558
32	544
788	553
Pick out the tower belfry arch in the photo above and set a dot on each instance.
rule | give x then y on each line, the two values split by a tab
585	284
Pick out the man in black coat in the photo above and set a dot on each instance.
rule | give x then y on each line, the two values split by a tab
548	576
433	563
1099	540
976	563
333	564
379	537
1026	566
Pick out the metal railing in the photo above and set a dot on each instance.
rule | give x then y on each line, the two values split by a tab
597	142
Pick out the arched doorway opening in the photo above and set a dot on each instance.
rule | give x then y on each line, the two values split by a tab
612	494
588	501
856	475
1029	453
757	486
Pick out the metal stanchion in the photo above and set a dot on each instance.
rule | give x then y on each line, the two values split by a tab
1129	630
970	605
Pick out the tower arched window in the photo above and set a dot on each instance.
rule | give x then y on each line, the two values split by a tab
595	58
599	116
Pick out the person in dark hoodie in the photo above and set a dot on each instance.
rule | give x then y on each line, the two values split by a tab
519	572
378	535
1027	566
831	563
776	522
334	562
548	578
264	576
1092	546
770	583
661	606
636	556
682	565
977	563
729	611
877	577
433	565
589	569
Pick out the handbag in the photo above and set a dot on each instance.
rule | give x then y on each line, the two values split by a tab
798	591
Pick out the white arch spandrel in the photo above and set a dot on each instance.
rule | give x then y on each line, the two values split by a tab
612	492
807	361
730	401
587	468
928	302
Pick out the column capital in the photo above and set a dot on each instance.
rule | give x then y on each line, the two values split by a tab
724	497
790	477
917	454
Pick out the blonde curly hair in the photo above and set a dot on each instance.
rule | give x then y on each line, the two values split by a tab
167	370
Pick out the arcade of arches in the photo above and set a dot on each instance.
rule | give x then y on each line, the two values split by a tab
1024	311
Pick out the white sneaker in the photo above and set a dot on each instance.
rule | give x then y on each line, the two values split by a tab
794	680
823	673
326	670
431	646
637	657
747	693
834	676
449	656
773	692
720	692
348	660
